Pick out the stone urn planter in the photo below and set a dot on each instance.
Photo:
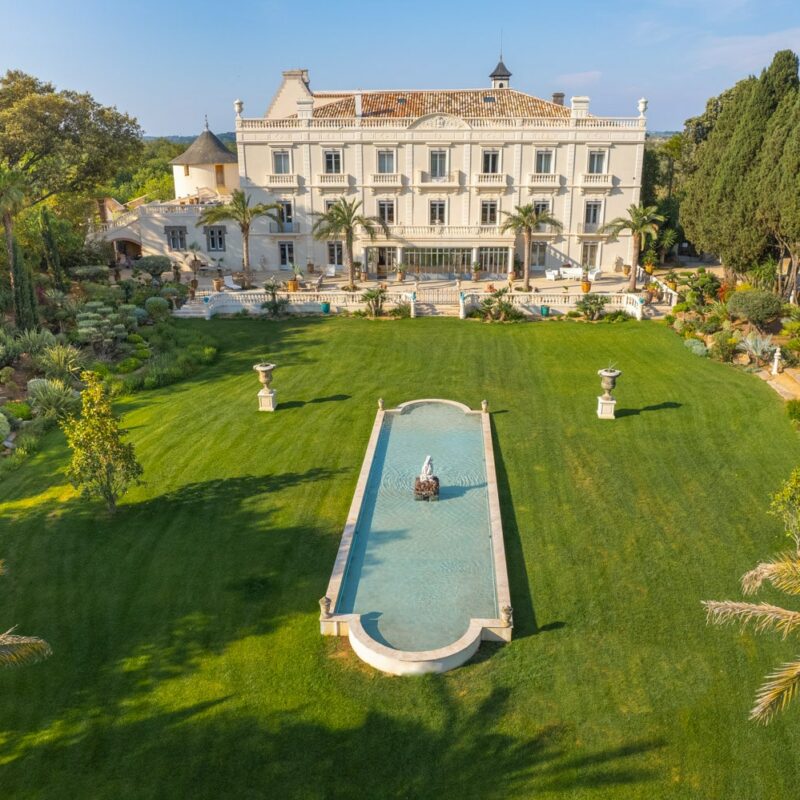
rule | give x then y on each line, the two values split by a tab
266	396
217	283
293	285
626	270
586	286
608	382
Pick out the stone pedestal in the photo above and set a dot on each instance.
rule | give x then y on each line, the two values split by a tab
605	407
266	400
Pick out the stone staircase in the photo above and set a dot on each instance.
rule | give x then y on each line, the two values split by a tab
193	309
431	310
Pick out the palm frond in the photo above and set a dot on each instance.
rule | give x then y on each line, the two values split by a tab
763	615
780	689
782	572
18	650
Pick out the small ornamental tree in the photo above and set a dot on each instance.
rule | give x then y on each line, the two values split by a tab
102	464
755	306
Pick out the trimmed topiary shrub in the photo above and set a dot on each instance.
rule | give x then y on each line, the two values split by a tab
157	308
127	365
755	306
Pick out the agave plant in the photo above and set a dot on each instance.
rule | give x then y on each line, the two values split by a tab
52	399
374	299
61	361
758	347
34	342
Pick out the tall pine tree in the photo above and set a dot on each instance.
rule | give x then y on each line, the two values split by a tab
25	308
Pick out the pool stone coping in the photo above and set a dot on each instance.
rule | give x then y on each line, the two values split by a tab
408	662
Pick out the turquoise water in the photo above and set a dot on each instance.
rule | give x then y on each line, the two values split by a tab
419	571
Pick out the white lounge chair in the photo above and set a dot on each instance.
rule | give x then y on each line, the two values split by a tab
594	274
573	273
229	284
330	271
553	274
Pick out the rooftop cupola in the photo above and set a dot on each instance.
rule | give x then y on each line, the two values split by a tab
501	76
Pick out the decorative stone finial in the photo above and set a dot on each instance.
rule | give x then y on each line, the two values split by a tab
238	107
380	404
642	106
777	362
325	607
507	615
485	406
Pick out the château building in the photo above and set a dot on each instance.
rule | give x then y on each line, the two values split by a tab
441	168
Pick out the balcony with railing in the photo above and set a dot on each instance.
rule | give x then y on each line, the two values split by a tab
545	230
591	228
284	227
450	180
387	180
538	180
333	180
282	180
597	180
490	180
456	233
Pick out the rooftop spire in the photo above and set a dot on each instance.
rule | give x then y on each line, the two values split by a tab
500	76
206	121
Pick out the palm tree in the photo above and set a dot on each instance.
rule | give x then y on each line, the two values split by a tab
12	197
18	650
524	221
642	222
244	215
341	221
783	573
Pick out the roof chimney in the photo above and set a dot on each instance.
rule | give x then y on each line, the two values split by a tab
357	103
580	107
558	98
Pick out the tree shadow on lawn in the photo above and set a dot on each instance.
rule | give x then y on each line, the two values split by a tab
213	750
524	613
153	591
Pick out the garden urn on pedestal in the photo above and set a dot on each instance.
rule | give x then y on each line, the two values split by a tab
606	403
266	397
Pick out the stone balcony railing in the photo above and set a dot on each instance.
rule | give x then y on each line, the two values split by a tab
333	179
454	232
282	180
386	179
451	180
284	227
490	179
537	179
590	227
599	180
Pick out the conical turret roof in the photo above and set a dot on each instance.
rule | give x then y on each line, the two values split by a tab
501	70
205	149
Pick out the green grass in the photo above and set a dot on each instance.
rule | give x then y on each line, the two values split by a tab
188	661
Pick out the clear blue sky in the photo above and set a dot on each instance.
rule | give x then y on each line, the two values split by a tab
169	63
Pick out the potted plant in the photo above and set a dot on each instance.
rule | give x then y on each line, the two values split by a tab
626	270
476	271
401	272
362	272
293	284
651	292
586	284
649	262
671	279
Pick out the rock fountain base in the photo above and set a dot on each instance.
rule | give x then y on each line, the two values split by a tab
427	489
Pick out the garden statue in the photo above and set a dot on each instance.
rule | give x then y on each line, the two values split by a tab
380	404
506	614
777	362
266	397
606	403
485	406
426	485
325	607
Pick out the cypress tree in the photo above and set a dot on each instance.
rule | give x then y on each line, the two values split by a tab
25	309
51	254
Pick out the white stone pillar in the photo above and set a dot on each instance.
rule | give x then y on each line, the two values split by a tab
399	255
511	249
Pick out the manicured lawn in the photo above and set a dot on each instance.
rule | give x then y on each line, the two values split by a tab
188	662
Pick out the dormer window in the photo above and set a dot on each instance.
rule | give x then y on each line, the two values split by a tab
489	98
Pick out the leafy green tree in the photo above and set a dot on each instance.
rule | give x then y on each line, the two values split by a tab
343	221
102	465
240	211
755	306
721	210
523	221
51	252
642	222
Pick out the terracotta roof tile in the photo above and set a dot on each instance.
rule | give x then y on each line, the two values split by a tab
459	103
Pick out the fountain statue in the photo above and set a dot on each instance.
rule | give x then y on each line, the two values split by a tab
426	484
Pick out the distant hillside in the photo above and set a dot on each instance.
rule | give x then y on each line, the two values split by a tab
229	137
